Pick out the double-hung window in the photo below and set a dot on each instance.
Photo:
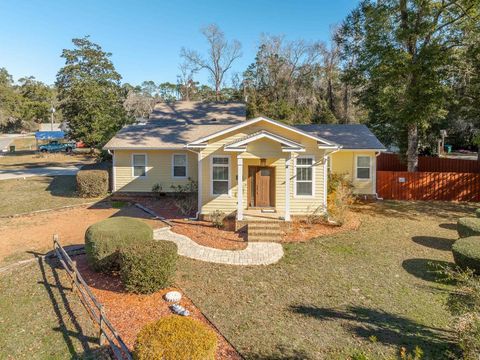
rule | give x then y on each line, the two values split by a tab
363	167
179	165
220	175
304	176
139	165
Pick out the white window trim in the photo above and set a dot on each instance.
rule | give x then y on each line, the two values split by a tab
229	194
295	177
173	167
133	167
356	168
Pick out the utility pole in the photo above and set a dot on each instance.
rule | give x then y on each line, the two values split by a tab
52	110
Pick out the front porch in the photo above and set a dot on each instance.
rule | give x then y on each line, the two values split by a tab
270	174
263	191
262	215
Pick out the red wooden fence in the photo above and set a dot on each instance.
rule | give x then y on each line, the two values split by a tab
391	162
448	186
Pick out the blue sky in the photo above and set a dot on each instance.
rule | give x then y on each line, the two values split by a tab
145	37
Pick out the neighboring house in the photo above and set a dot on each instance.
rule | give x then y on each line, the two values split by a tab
241	164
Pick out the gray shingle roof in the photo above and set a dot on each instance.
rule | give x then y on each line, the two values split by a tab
173	125
350	136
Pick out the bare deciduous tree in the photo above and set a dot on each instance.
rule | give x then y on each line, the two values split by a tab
221	55
185	79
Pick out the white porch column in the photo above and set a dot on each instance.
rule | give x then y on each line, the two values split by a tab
325	180
240	188
199	183
288	162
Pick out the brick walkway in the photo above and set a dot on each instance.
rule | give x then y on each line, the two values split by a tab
256	253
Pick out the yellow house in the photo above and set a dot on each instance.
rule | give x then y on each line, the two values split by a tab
241	166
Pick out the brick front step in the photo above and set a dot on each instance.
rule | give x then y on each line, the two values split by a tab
264	231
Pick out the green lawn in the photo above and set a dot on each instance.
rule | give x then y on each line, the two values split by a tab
372	289
27	160
24	143
38	193
40	318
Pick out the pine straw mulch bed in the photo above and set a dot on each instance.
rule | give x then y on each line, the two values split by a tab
128	312
300	231
202	232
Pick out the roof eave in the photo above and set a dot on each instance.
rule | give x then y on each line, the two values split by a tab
255	120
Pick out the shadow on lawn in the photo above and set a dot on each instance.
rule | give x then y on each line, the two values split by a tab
434	242
414	210
426	269
389	329
448	226
61	185
280	353
69	326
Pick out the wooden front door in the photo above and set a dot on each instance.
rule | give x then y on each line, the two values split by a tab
262	182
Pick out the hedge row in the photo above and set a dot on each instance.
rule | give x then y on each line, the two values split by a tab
466	253
126	244
146	269
468	226
466	250
105	239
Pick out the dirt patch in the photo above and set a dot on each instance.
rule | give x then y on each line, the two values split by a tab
130	312
33	233
300	231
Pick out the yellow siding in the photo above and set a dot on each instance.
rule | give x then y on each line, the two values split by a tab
270	151
159	170
343	162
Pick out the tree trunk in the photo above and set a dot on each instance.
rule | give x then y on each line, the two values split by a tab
412	149
217	91
331	105
346	103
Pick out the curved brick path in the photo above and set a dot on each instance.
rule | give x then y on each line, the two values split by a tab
256	253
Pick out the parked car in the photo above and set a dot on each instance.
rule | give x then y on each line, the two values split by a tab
57	146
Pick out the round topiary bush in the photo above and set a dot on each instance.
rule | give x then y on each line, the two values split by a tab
175	337
477	212
148	267
105	239
466	253
468	226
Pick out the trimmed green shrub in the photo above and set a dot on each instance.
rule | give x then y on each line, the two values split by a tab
466	253
148	267
468	226
175	338
92	183
105	239
477	212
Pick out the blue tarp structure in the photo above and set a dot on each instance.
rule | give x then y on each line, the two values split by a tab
49	135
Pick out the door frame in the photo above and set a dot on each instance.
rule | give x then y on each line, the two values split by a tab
252	170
